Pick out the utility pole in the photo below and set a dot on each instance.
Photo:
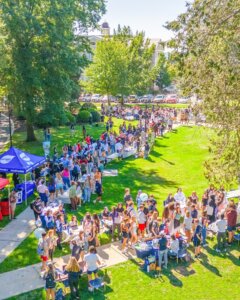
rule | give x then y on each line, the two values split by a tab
10	125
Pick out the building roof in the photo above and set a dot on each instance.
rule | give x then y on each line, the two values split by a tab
105	25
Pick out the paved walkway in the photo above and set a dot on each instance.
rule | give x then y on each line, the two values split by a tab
4	130
27	279
15	232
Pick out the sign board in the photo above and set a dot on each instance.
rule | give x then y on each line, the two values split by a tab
233	194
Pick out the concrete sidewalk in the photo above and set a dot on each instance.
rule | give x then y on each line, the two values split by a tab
27	279
4	129
15	232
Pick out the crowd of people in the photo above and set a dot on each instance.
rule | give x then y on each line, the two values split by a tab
165	114
137	219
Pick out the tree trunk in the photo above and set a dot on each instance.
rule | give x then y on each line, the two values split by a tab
108	99
122	100
30	132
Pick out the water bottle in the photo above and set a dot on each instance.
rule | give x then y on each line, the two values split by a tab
147	264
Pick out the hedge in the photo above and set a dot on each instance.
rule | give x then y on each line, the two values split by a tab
83	116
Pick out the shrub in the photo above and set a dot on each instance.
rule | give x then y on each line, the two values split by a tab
70	117
83	116
88	106
96	117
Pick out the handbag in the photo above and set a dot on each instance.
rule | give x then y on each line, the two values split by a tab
209	210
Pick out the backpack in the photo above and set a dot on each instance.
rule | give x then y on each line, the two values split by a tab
40	248
32	205
50	282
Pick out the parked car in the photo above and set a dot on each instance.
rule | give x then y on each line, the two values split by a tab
87	98
172	98
159	99
132	98
96	98
147	98
183	100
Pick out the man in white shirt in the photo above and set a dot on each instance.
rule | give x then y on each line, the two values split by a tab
180	198
221	225
92	261
142	219
43	192
174	245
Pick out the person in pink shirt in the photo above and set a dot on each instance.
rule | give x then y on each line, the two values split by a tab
66	177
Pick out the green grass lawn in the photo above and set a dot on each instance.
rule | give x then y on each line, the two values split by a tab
176	160
213	277
60	136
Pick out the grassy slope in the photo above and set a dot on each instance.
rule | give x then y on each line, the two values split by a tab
176	160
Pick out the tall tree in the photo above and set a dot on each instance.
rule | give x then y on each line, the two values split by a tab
46	57
207	44
107	74
163	75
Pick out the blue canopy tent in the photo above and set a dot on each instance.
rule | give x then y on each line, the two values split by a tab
20	162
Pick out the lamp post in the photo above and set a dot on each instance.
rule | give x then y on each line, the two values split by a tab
9	123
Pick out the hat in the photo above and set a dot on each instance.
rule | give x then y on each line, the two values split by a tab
162	232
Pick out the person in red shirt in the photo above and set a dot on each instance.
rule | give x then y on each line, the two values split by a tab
79	148
231	215
88	140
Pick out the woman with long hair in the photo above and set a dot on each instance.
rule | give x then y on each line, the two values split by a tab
52	242
50	277
59	184
73	270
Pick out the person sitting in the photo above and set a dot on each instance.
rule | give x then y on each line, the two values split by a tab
174	245
73	222
91	260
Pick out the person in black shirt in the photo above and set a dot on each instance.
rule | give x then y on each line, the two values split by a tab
16	179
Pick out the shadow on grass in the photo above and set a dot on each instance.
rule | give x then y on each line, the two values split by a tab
226	255
204	261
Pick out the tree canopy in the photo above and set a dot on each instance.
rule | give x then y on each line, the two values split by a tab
45	55
207	47
122	64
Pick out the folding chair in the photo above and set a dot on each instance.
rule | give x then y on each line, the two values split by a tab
97	284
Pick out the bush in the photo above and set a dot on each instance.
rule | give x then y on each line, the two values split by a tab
88	106
70	117
83	116
96	117
50	118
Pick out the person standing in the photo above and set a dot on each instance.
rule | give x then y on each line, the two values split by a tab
73	270
37	208
13	203
146	150
92	261
221	232
59	230
197	238
163	250
142	219
116	218
50	276
231	215
84	132
16	179
43	192
73	195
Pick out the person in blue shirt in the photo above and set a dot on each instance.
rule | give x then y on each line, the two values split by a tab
163	250
59	230
197	238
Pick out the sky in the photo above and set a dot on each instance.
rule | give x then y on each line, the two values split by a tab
144	15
